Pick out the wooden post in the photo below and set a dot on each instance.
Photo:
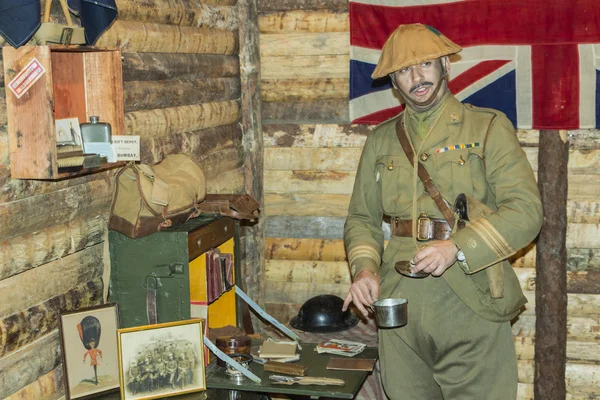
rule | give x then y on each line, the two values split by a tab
551	262
253	237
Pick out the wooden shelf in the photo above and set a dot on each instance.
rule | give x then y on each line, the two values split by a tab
76	82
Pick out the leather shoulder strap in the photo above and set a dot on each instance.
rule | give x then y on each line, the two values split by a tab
424	175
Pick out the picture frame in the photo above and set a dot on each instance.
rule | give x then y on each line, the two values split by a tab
161	360
68	132
88	339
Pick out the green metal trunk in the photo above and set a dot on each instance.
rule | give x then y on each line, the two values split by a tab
157	266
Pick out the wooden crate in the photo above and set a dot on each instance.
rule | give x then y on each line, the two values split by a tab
68	82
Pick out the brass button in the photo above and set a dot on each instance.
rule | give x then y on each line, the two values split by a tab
461	161
424	157
390	166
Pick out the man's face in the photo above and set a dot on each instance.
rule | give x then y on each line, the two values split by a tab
418	83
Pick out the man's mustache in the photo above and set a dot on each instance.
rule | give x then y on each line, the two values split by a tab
420	85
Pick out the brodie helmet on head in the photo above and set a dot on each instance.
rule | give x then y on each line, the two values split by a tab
410	45
323	313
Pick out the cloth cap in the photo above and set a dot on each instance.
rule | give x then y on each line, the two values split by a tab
410	45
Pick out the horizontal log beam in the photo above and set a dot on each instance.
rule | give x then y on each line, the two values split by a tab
12	190
29	251
226	159
47	387
318	135
133	37
294	21
220	2
304	227
310	158
24	367
304	249
300	67
227	182
38	212
576	375
309	205
337	272
287	5
297	292
326	111
147	95
327	182
162	66
168	121
584	282
189	13
20	292
304	90
580	329
24	327
195	144
304	44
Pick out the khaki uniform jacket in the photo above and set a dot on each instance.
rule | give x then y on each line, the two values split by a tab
497	174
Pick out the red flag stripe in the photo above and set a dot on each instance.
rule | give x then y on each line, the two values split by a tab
555	86
474	74
379	116
484	22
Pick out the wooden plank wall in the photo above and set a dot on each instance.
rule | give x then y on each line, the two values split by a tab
182	91
311	155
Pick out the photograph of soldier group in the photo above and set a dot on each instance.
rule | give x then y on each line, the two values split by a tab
162	365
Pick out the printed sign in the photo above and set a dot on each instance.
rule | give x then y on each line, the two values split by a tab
26	78
127	148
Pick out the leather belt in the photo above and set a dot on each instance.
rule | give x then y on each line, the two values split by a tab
427	228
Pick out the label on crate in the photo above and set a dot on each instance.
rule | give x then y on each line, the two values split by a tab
26	78
127	148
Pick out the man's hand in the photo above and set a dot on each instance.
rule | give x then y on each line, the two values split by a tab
363	292
435	258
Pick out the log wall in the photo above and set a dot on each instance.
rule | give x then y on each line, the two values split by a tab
181	76
311	155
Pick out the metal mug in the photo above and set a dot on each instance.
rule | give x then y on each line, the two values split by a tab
391	312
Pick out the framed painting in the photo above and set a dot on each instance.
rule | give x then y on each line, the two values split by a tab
88	340
161	360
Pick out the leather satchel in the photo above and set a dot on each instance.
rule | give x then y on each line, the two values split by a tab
150	198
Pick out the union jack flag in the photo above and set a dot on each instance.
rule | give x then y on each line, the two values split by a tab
537	61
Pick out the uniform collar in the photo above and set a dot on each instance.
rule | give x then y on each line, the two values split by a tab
449	124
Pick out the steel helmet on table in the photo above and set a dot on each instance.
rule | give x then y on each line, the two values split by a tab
323	313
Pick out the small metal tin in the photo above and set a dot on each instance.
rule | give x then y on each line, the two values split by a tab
234	374
239	344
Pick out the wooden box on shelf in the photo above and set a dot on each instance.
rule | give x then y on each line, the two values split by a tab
52	83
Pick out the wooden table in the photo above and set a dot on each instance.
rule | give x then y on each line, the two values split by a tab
317	363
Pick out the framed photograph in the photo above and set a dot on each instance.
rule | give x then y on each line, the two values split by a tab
161	360
88	340
68	132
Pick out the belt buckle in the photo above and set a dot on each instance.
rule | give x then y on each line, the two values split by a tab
423	219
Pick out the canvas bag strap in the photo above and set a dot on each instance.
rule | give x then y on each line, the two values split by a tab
424	175
160	188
